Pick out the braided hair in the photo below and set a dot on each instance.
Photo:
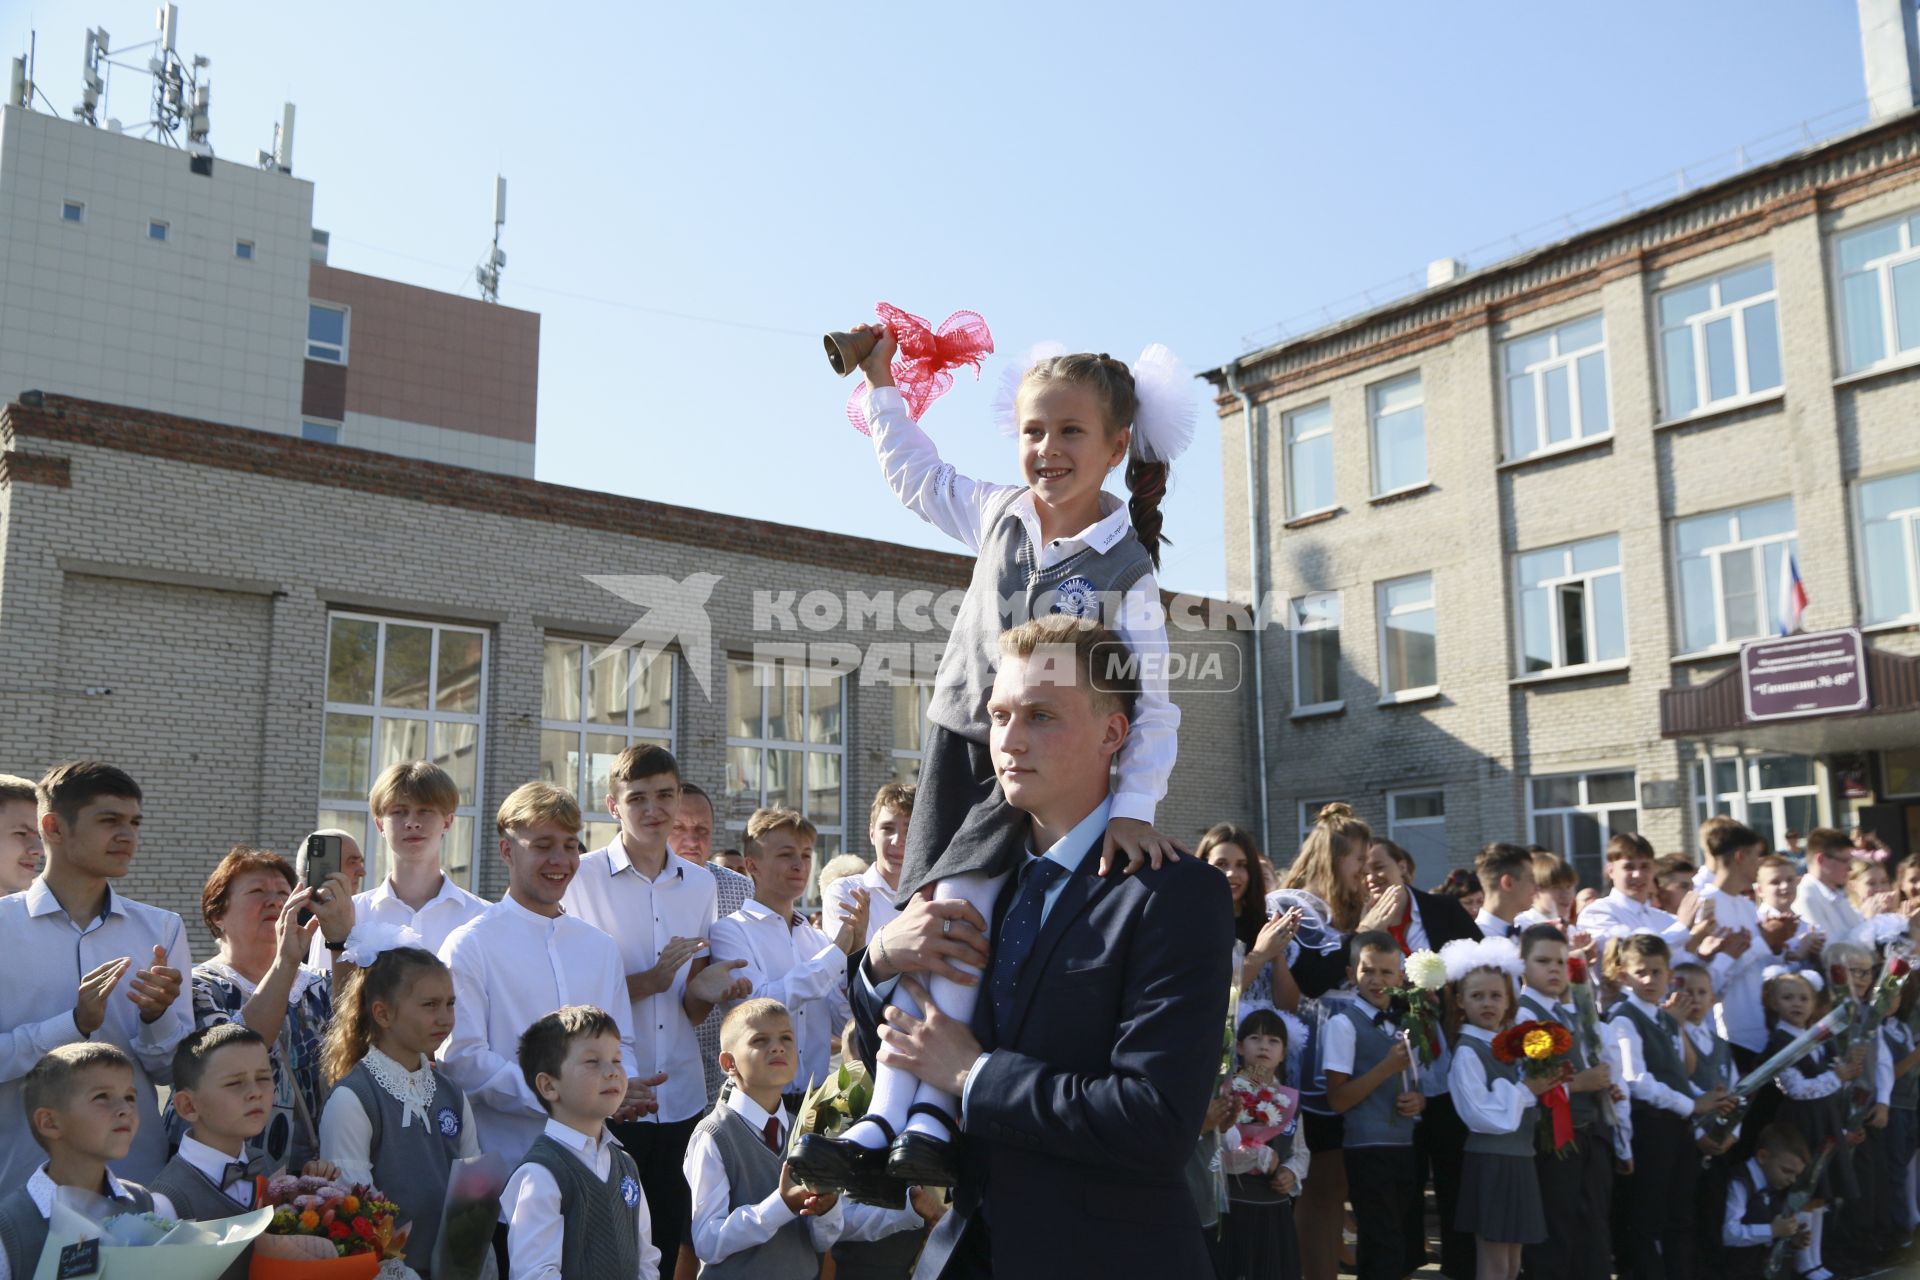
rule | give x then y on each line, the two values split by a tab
1112	380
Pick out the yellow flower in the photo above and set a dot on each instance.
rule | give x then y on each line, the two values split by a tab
1538	1045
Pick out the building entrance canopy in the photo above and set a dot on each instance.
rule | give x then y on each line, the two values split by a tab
1814	694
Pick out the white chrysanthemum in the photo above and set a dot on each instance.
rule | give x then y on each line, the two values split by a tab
1426	970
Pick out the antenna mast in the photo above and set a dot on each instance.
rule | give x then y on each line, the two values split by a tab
488	272
179	92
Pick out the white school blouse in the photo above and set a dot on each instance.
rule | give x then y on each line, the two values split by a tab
957	506
537	1234
346	1131
794	963
1485	1106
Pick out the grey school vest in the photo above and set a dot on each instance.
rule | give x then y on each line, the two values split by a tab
1087	584
23	1229
601	1237
1374	1122
193	1195
1656	1045
1584	1107
414	1166
1520	1141
753	1174
1714	1070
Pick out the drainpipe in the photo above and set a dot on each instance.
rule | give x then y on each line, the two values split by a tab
1258	584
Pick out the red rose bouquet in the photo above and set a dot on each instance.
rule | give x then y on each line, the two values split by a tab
1266	1110
1541	1049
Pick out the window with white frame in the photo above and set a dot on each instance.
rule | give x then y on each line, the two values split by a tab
326	332
1879	294
1575	814
1417	822
1408	665
1309	438
910	700
1719	340
1397	410
1316	651
402	690
1556	387
786	747
1890	546
1572	613
593	706
1734	573
1780	794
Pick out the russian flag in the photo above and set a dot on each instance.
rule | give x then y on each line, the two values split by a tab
1793	597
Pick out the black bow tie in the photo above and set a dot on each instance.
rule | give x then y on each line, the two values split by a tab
238	1171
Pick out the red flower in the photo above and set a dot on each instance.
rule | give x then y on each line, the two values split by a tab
1898	968
363	1228
1577	970
339	1231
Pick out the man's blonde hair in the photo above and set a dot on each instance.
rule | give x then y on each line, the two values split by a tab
897	796
741	1018
418	782
14	788
537	802
765	822
1080	652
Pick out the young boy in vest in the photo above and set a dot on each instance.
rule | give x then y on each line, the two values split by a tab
83	1110
574	1206
1756	1215
1367	1067
750	1219
1576	1185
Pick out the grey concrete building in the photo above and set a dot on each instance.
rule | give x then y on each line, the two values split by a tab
1498	524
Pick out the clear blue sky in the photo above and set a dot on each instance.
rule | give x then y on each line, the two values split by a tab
1105	174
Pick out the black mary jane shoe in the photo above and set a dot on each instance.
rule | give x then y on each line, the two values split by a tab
922	1160
840	1164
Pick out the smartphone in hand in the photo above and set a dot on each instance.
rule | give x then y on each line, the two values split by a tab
319	858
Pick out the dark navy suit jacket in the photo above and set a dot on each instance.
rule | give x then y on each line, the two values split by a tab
1080	1125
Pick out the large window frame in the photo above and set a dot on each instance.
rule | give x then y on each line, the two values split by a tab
1386	612
910	702
1765	556
1769	802
1877	326
1577	825
343	801
1556	373
1577	596
1695	332
1389	411
1313	614
750	756
325	349
580	693
1307	434
1417	822
1894	531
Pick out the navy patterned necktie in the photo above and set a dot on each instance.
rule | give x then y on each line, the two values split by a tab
1019	931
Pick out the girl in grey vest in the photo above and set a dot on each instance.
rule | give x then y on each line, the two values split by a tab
393	1119
1055	544
1499	1190
1260	1240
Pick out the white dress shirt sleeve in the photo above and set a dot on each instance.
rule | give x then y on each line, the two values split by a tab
1736	1234
469	1131
1336	1046
717	1233
23	1046
154	1042
926	486
1623	1109
1883	1071
1147	756
871	1222
469	1058
818	977
1639	1082
1486	1106
536	1232
346	1135
825	1230
1298	1162
1801	1087
835	903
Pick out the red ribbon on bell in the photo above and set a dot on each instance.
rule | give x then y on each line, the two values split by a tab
1560	1108
923	369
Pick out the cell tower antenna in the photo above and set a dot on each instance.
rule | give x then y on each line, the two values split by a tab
280	158
92	80
180	91
488	272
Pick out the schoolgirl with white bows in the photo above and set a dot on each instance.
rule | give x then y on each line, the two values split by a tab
1058	543
393	1120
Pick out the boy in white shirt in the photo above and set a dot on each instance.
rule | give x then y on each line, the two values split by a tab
1629	907
575	1206
1506	876
1775	885
887	823
787	958
1821	899
1734	851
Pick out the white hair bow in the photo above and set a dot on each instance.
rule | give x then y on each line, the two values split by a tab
1464	955
1163	424
371	939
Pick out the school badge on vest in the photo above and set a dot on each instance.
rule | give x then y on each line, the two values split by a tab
1077	598
630	1191
449	1122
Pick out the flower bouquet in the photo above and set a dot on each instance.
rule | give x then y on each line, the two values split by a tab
1587	1009
1266	1109
834	1103
86	1235
324	1230
464	1248
1541	1049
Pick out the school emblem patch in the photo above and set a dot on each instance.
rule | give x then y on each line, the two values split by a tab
1077	598
449	1122
630	1191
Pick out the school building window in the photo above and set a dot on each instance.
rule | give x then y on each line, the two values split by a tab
1309	439
73	211
1409	667
1397	410
243	250
1575	814
910	700
786	748
1779	794
326	332
1879	294
402	690
1734	573
593	706
1890	546
1556	385
1417	822
1719	340
156	229
1571	610
1316	652
320	432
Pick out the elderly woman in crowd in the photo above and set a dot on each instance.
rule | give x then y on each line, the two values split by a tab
252	904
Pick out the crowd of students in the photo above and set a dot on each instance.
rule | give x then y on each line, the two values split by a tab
1661	1167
